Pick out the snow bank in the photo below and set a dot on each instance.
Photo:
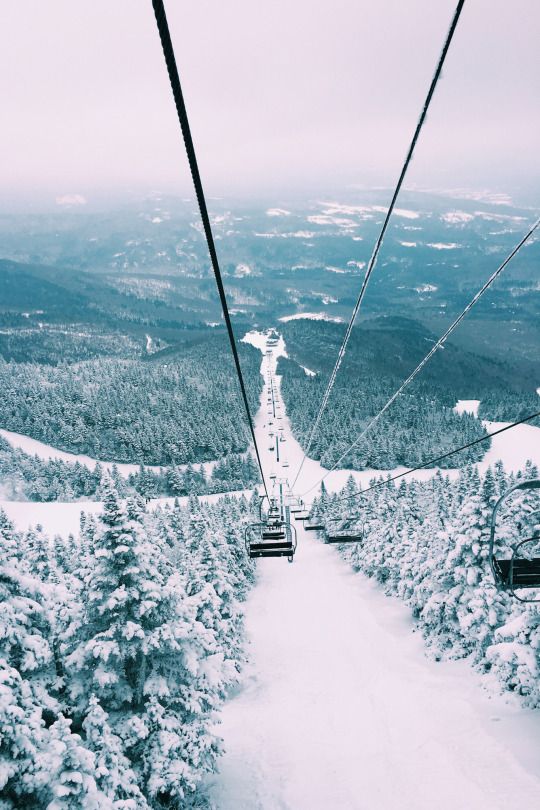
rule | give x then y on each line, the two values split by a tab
443	245
277	212
312	316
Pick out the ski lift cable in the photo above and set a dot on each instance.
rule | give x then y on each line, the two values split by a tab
432	351
378	244
432	461
172	69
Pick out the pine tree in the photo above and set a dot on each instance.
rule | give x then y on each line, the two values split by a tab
10	547
122	590
141	640
73	769
112	770
23	743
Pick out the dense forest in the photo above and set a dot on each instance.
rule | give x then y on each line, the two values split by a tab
173	408
427	543
508	406
421	423
418	426
25	477
118	649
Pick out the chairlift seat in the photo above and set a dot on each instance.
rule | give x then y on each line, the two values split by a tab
344	538
314	527
268	546
273	553
518	572
273	535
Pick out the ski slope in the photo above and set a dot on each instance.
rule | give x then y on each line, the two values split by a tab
513	448
341	710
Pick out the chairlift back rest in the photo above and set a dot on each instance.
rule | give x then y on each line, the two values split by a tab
519	572
515	572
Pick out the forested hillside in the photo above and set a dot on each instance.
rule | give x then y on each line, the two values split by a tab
428	544
28	478
421	423
176	407
117	651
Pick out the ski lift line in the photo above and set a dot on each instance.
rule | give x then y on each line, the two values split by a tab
433	349
432	461
174	78
378	244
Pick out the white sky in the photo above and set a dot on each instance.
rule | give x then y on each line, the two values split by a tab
283	95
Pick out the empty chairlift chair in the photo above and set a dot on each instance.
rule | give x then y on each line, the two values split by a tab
273	538
347	532
520	568
296	506
314	526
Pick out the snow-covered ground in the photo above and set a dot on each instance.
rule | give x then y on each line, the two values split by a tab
308	371
467	406
311	316
63	518
340	708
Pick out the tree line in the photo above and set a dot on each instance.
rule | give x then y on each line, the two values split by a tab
26	477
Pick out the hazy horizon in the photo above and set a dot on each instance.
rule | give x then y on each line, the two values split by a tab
284	99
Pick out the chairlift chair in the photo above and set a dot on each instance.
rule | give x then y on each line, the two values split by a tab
344	538
271	540
296	505
345	533
516	571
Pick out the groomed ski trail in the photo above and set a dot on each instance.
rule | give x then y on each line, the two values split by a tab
341	709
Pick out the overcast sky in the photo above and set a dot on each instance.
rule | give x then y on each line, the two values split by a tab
283	95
